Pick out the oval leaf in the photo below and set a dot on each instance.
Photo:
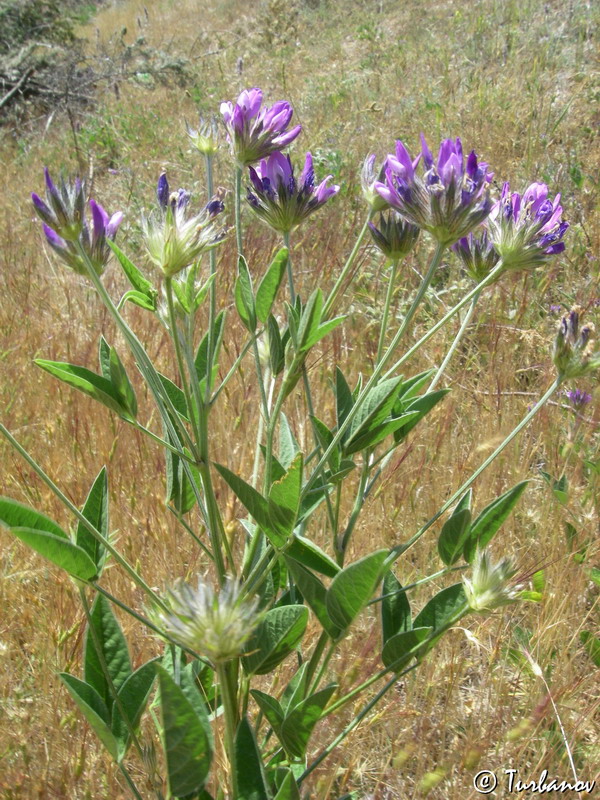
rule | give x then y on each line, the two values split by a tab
59	551
93	709
491	518
403	647
277	635
17	515
113	648
395	608
250	776
353	587
298	726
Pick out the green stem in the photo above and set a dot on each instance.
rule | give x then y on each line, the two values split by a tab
238	210
129	780
357	508
77	513
397	551
386	309
231	715
329	303
160	441
179	356
455	343
290	274
409	586
437	257
234	366
212	313
315	658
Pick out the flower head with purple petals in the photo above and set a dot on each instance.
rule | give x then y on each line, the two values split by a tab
528	229
578	398
174	240
369	177
451	198
395	237
282	201
66	228
573	354
255	132
477	254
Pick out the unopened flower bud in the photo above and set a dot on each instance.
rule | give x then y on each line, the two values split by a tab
206	137
490	585
573	353
395	237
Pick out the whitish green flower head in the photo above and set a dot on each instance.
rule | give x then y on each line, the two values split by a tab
205	138
490	585
174	239
574	354
216	625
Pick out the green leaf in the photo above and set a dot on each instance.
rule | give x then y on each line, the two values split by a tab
594	575
288	446
180	491
310	555
138	299
137	280
296	689
400	649
373	436
270	708
299	724
310	319
251	784
133	694
187	744
276	346
420	406
343	399
17	515
491	518
175	395
244	297
325	437
254	503
201	359
122	384
376	408
314	594
95	510
104	358
93	709
288	788
60	551
353	587
95	386
454	535
284	498
395	608
276	636
113	647
441	608
269	285
321	332
592	645
411	385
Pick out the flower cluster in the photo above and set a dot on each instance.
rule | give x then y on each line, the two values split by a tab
395	237
67	230
216	626
578	398
255	132
573	352
478	254
173	238
452	197
281	200
527	229
490	585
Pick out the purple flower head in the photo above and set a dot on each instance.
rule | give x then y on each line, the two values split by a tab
175	239
254	132
477	254
279	199
452	197
395	237
527	229
578	398
573	354
67	230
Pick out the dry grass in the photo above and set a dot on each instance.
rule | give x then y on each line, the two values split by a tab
517	80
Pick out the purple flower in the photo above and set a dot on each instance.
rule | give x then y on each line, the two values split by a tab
450	200
577	398
174	239
477	253
255	132
395	237
282	201
527	229
573	354
65	225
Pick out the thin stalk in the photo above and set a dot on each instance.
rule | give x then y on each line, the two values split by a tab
386	308
179	356
324	665
192	533
77	513
437	257
397	551
455	343
234	367
290	274
163	442
106	672
231	714
357	508
409	586
264	417
238	210
316	657
329	303
129	780
212	292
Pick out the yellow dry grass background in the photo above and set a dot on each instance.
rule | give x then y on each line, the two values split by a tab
519	82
